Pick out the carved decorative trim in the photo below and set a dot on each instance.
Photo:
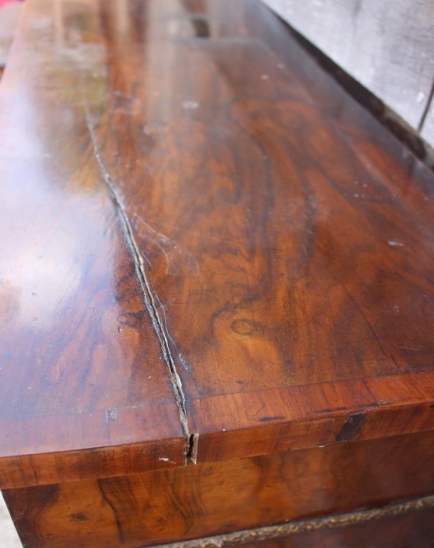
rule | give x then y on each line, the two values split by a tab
304	526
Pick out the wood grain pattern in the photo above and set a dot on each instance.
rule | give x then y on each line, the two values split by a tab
207	246
51	449
195	501
78	348
276	262
263	422
288	237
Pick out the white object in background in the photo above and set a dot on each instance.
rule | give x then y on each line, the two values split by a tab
9	16
8	535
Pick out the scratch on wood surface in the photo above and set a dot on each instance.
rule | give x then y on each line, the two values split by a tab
167	246
269	419
148	293
166	459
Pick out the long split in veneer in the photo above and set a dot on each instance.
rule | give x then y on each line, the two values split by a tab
149	295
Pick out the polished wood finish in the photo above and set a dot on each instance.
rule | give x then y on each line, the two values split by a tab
112	443
251	251
80	361
162	506
209	253
282	250
258	423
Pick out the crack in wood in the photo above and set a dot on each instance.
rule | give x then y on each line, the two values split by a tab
193	446
149	295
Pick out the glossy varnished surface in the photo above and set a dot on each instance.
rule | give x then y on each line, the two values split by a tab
196	216
78	350
288	245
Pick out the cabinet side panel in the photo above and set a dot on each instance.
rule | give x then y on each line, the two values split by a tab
210	499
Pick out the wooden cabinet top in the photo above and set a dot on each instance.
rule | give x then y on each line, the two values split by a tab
208	249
